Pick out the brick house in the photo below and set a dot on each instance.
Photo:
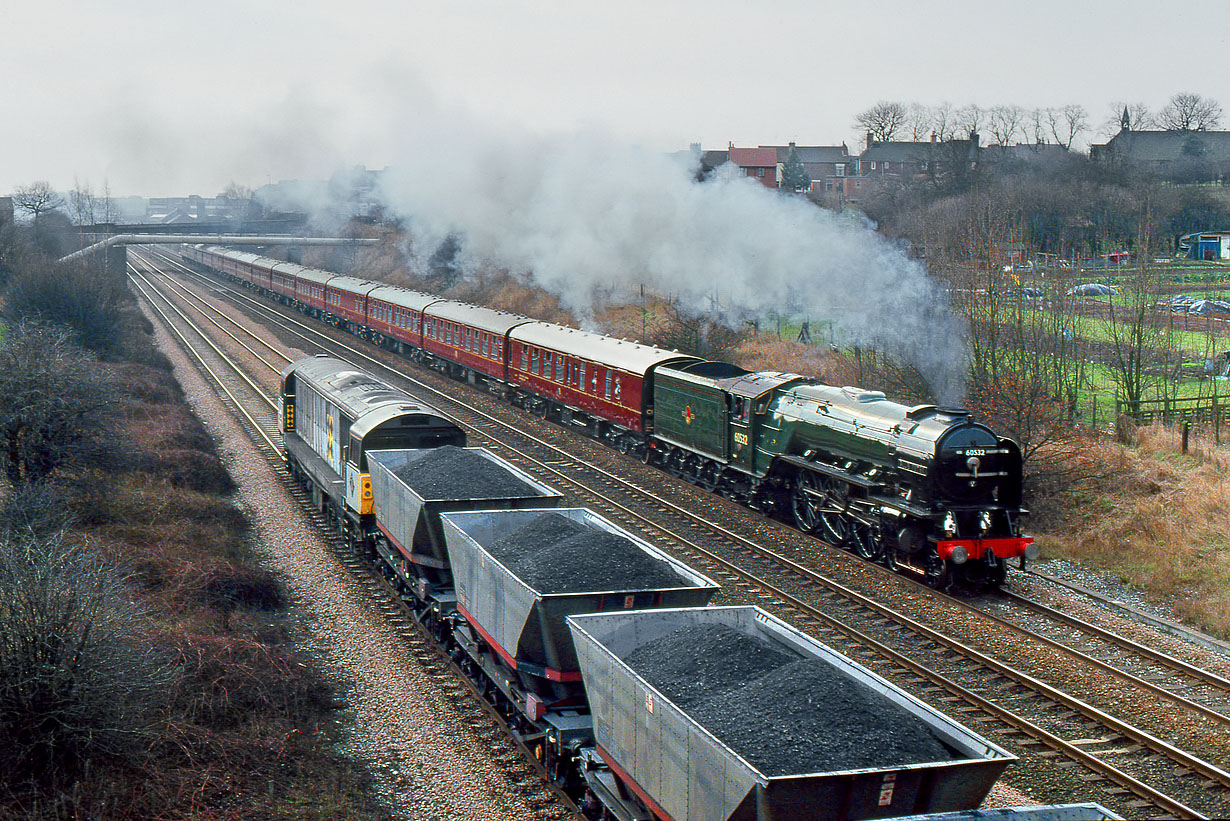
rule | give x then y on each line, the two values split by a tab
759	163
918	159
831	168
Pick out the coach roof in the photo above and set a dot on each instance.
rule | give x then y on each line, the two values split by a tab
476	316
392	294
616	353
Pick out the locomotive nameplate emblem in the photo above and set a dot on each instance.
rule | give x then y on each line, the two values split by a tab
688	416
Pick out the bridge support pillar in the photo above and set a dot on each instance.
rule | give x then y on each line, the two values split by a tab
117	260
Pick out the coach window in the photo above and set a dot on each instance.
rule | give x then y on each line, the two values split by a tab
546	365
486	345
534	361
607	394
581	376
559	368
525	358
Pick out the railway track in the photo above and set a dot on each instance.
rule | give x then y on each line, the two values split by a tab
1150	777
258	414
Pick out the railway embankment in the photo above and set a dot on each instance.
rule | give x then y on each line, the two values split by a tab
148	666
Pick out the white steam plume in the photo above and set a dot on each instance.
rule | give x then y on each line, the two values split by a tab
582	215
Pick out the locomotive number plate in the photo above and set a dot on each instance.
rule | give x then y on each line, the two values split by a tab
740	438
975	452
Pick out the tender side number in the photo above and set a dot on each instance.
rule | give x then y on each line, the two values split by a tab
740	438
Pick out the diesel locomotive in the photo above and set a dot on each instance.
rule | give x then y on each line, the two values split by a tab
926	490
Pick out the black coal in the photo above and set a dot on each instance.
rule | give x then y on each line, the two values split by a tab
783	714
453	473
555	554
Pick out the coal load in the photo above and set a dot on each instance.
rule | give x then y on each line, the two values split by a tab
450	472
797	716
690	665
555	554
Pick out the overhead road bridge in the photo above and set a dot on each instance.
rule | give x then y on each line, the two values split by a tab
116	247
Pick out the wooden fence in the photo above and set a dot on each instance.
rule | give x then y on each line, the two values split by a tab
1196	410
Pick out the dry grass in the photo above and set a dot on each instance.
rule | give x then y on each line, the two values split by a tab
240	735
1156	520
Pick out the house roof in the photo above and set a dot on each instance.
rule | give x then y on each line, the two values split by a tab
753	157
1036	154
921	151
1171	146
812	153
896	151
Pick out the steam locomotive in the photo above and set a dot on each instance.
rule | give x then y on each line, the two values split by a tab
925	490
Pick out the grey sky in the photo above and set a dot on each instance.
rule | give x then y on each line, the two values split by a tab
164	98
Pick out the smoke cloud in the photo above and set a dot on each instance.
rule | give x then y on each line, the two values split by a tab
584	216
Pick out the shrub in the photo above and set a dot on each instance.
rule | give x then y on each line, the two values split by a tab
77	684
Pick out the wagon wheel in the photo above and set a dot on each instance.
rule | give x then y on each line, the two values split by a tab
866	542
709	476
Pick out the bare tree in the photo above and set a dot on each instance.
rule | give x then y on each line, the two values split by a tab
37	199
1133	348
1132	116
969	118
1035	128
883	120
1005	122
1190	112
107	210
918	119
1067	123
943	122
82	203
